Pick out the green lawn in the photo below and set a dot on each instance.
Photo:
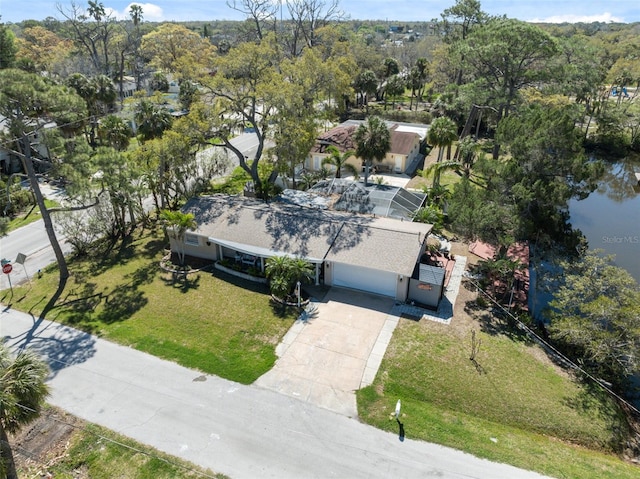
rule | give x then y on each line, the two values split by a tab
29	216
511	407
208	321
103	454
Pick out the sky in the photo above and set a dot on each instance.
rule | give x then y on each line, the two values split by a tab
553	11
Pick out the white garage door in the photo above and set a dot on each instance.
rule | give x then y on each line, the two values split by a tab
364	279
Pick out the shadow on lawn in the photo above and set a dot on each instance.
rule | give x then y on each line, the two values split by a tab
495	321
80	306
181	281
592	401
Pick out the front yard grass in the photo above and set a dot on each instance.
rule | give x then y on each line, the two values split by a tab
511	406
206	320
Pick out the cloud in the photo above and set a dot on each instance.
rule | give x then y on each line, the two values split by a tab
150	12
572	18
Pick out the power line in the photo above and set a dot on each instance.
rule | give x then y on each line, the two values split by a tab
555	351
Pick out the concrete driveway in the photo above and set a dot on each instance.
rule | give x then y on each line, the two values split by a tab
326	358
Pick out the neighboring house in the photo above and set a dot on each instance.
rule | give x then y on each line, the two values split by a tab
377	255
403	157
12	163
128	86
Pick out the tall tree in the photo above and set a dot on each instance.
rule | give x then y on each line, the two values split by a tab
243	93
99	93
373	142
505	56
119	178
442	133
42	50
8	47
261	13
595	316
457	23
394	88
92	30
365	84
22	394
136	14
307	16
417	80
26	100
174	48
388	68
294	134
546	168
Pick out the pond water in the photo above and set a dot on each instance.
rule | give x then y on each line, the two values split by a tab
610	217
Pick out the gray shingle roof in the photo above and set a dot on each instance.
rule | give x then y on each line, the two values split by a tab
382	243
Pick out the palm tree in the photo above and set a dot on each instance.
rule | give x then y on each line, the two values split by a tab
176	225
339	161
284	272
466	155
22	395
442	133
301	270
373	141
430	214
113	131
151	120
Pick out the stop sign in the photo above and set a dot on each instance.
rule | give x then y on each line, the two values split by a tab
7	268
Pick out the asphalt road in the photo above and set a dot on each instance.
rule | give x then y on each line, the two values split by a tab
241	431
32	241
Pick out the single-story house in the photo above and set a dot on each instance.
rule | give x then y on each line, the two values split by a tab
373	254
403	157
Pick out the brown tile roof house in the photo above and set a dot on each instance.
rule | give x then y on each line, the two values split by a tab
405	146
372	254
341	137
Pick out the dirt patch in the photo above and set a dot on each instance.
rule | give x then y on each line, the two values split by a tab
45	442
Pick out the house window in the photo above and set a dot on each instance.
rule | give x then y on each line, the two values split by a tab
191	240
316	162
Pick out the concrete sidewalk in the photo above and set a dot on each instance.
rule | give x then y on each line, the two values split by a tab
241	431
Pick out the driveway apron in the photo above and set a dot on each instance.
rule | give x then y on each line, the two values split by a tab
323	359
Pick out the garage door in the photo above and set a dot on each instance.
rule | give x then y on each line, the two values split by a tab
365	279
